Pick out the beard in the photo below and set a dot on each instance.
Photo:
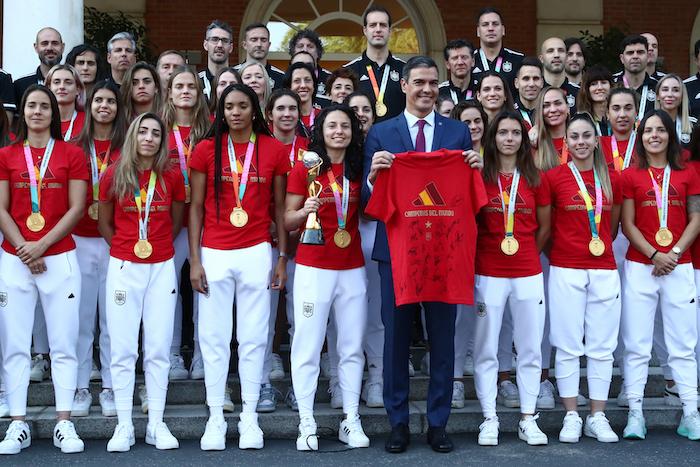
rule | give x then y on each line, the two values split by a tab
50	62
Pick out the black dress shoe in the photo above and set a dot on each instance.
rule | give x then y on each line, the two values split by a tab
399	439
438	439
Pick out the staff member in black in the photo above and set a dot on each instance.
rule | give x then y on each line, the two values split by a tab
218	42
307	40
692	84
634	56
552	55
256	43
575	60
49	47
529	82
459	61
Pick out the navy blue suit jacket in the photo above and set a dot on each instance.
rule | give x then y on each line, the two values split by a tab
392	135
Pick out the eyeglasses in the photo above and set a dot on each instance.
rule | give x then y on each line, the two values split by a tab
216	40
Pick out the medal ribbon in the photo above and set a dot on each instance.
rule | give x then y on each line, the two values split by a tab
183	154
97	170
594	215
291	151
36	176
526	116
564	157
662	196
341	207
510	200
144	214
378	91
239	189
69	131
620	163
485	62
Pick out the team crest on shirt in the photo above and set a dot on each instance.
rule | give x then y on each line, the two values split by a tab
507	66
120	297
571	100
308	309
685	138
481	309
3	299
651	96
394	75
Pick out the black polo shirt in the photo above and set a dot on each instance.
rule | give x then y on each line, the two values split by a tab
527	114
571	90
276	75
649	82
24	82
692	84
448	89
207	81
394	98
510	61
7	91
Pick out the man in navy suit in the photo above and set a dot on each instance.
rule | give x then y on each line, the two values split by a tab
418	128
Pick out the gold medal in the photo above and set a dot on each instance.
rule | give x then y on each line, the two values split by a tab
381	109
238	217
510	245
143	249
664	237
596	246
342	238
92	211
36	222
188	193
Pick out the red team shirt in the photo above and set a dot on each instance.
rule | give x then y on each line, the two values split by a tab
329	256
606	147
77	125
429	202
571	231
270	159
86	226
169	188
695	247
295	150
637	186
175	156
67	163
490	260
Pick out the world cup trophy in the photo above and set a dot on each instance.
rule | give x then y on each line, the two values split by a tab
313	234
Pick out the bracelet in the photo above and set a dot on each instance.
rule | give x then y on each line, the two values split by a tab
283	254
653	254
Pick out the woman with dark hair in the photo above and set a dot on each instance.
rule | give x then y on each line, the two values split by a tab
513	229
661	219
101	141
300	78
584	285
472	114
360	102
235	175
331	275
342	82
140	91
141	206
444	106
618	148
223	78
593	96
494	94
42	197
87	60
65	83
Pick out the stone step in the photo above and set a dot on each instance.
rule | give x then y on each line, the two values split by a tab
187	421
193	392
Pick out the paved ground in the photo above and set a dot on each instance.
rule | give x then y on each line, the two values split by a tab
660	448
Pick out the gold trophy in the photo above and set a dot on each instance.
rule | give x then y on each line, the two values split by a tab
313	234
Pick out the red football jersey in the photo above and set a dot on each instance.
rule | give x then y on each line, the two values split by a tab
571	230
169	188
606	147
296	149
637	186
429	202
490	260
270	159
77	126
67	163
695	247
86	226
329	256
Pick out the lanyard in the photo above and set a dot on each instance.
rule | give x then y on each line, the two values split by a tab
239	190
526	116
662	196
379	91
510	200
292	159
564	158
97	170
35	177
643	100
144	214
622	164
455	97
183	153
69	131
485	62
341	207
594	215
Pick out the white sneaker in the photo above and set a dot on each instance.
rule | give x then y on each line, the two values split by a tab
457	395
250	434
40	369
336	393
214	437
372	394
425	364
177	371
4	407
197	368
66	439
143	395
307	440
636	427
122	439
529	432
352	434
571	428
277	371
107	403
545	399
159	435
229	406
690	426
411	369
95	374
17	437
508	395
597	426
622	400
325	365
468	369
488	432
671	397
82	400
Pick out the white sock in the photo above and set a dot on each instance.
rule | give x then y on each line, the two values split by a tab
216	411
249	406
124	416
689	407
155	416
636	403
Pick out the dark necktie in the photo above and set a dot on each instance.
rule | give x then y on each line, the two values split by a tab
420	138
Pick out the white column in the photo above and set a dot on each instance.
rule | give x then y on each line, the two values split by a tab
22	19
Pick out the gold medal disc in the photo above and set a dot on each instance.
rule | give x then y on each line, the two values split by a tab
596	246
92	211
36	222
381	109
239	217
342	238
143	249
510	245
664	237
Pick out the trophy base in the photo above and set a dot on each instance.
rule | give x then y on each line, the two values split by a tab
312	237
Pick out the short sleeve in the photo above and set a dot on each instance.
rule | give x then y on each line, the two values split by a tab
296	182
178	185
381	205
106	185
628	184
78	167
198	159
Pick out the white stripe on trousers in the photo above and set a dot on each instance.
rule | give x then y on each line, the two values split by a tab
524	299
243	273
93	258
136	293
676	295
584	319
316	291
58	289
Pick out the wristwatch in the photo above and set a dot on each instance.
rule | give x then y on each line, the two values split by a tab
676	250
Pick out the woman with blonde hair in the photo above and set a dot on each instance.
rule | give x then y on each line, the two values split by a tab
140	90
253	74
672	97
551	115
65	83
